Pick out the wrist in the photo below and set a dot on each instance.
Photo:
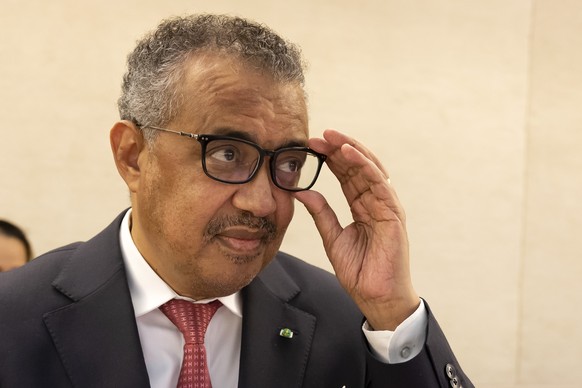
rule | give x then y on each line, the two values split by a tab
389	315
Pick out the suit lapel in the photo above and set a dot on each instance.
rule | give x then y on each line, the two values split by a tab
97	339
266	313
96	335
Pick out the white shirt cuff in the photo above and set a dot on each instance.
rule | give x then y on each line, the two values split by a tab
402	344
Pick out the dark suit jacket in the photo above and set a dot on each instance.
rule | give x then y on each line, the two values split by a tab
67	320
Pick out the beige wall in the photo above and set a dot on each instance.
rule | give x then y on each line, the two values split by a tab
472	105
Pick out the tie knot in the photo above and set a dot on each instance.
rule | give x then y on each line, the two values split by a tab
191	319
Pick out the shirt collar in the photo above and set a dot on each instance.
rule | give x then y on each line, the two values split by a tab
148	291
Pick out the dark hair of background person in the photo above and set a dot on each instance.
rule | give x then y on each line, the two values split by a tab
11	230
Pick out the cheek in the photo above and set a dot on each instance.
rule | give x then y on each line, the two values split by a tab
285	210
179	204
190	207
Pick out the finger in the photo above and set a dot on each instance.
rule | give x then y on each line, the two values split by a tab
337	162
338	139
325	219
357	174
320	145
356	170
366	190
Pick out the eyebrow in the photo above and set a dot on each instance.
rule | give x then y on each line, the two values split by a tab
231	132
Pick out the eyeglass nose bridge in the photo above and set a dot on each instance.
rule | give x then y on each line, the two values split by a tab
271	165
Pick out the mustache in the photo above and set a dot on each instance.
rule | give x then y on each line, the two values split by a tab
219	224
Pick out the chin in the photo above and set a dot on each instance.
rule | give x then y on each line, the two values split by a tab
240	260
242	271
217	288
245	266
255	259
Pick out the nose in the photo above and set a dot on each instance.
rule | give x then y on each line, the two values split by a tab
256	196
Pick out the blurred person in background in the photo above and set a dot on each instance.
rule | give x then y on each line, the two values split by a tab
15	250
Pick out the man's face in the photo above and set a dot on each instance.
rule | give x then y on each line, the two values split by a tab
12	253
206	238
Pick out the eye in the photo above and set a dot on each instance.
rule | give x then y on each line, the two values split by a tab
224	153
289	165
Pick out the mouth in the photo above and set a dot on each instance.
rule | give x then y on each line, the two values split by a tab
243	241
241	235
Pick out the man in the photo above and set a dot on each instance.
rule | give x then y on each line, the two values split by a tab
213	145
15	249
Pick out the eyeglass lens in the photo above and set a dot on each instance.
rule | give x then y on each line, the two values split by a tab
235	162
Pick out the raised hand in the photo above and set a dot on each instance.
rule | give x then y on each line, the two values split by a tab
370	255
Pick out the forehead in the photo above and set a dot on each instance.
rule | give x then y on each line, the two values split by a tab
220	93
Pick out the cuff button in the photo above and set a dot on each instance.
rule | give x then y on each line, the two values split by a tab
405	352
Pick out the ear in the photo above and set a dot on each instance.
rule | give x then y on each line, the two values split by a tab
127	144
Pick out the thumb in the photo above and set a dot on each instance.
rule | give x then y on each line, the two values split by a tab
326	220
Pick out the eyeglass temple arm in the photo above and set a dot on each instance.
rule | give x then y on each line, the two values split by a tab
187	134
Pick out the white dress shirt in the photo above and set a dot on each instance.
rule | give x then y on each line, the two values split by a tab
163	343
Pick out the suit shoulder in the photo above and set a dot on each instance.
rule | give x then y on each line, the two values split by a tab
38	274
306	273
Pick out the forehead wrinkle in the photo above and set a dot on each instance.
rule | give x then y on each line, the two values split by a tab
254	105
216	89
245	100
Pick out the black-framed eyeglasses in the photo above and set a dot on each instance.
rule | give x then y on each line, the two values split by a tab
232	160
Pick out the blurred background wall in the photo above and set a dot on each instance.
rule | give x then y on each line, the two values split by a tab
474	107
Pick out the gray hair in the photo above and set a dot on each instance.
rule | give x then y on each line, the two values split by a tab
151	86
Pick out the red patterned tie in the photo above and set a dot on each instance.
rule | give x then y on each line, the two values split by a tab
192	319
